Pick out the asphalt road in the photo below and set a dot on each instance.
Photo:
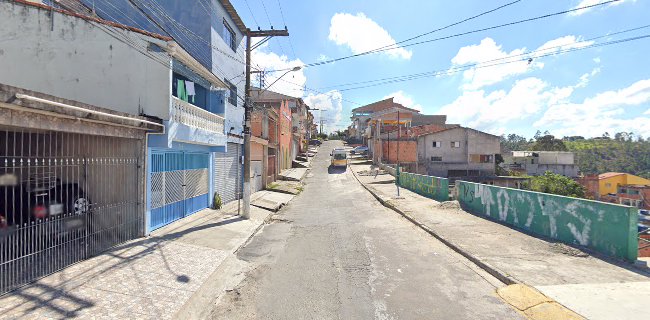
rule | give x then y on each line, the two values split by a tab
336	253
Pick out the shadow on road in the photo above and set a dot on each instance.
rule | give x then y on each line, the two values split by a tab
336	170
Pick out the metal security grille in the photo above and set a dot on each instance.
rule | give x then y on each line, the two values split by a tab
227	173
63	198
179	185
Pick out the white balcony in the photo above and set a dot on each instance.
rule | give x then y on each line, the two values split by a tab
193	116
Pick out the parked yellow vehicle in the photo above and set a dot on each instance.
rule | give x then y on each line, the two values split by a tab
339	158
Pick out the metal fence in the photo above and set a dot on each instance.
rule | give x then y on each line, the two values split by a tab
63	198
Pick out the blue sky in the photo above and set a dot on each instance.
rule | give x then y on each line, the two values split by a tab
585	92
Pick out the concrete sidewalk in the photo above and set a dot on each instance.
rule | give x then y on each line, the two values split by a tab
293	174
148	278
557	270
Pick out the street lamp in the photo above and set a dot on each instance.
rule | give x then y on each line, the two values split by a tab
294	69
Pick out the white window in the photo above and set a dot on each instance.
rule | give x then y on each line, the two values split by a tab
436	159
455	144
437	144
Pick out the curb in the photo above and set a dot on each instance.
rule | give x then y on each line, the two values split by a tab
500	275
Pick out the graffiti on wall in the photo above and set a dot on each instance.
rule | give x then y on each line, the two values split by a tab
604	227
431	187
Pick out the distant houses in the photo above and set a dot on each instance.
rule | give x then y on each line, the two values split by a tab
617	187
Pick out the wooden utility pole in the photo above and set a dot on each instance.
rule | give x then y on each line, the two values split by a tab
267	34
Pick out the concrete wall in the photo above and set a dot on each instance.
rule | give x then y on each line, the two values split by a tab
556	158
606	228
198	28
431	187
563	169
69	57
472	142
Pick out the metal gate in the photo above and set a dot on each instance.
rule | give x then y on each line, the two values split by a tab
179	185
227	173
271	167
63	198
257	183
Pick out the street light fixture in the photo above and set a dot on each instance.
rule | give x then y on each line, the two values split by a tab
294	69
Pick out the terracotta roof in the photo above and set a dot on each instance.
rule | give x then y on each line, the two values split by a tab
375	106
452	126
382	105
609	175
94	19
271	96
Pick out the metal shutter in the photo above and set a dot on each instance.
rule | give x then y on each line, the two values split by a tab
227	173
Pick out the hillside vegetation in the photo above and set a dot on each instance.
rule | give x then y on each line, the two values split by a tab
623	153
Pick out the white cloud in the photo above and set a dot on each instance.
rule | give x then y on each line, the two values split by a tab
362	34
489	50
585	3
647	112
404	99
322	57
291	84
490	111
601	113
330	105
585	78
597	59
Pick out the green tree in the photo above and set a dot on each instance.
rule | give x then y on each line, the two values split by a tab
557	184
513	142
548	143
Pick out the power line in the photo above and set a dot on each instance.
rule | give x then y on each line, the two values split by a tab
252	15
313	64
285	26
447	26
526	54
479	66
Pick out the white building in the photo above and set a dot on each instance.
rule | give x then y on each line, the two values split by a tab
535	163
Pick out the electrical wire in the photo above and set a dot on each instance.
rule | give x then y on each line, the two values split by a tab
285	26
526	54
319	63
478	66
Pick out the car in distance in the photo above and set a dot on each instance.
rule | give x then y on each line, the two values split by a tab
363	150
339	158
315	142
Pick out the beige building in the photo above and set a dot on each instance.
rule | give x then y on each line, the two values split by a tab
535	163
457	152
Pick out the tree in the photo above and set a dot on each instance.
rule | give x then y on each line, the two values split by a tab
513	142
548	143
557	184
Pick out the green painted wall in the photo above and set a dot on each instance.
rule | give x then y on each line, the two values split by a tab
431	187
607	228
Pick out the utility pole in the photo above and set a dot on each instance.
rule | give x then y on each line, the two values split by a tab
398	137
267	34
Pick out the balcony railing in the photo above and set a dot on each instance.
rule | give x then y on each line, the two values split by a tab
193	116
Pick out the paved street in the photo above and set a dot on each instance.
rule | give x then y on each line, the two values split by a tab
336	253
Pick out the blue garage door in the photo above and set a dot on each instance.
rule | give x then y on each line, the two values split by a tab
179	186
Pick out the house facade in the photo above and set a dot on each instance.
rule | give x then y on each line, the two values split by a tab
211	33
75	123
457	152
535	163
618	187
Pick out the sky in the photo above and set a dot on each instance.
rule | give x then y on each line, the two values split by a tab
565	74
